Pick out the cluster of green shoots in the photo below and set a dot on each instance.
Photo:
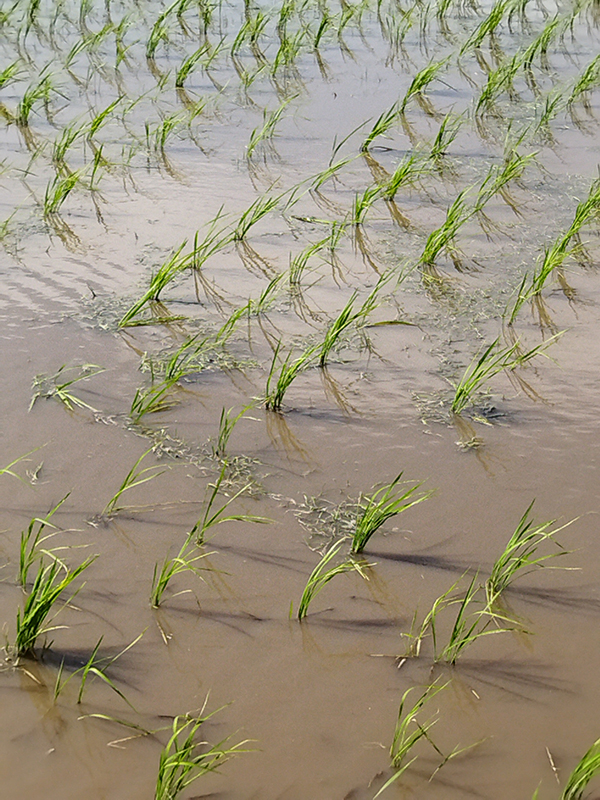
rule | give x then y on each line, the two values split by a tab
371	512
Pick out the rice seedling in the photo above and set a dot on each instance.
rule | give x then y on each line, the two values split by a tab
159	32
498	81
253	214
288	51
188	65
322	574
587	768
419	83
363	202
39	90
278	384
442	238
210	518
384	504
45	591
468	626
267	131
184	759
542	41
59	189
185	561
186	360
95	666
135	477
9	73
487	27
471	622
491	362
500	176
447	133
589	79
7	470
409	729
405	174
58	386
163	276
384	122
349	316
267	297
520	556
227	423
31	549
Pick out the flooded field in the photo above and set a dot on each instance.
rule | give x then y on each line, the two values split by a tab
300	409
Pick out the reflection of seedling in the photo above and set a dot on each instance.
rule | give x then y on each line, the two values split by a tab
321	575
384	504
56	386
133	478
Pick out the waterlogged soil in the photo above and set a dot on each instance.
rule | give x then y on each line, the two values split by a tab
93	204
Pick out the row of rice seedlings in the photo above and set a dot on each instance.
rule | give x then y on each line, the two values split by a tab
58	386
490	362
322	574
501	79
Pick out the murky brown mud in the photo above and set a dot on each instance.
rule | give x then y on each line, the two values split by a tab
317	701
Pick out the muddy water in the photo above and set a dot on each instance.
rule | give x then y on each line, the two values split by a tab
317	702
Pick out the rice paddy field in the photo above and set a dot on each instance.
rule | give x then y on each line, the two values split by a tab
300	410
